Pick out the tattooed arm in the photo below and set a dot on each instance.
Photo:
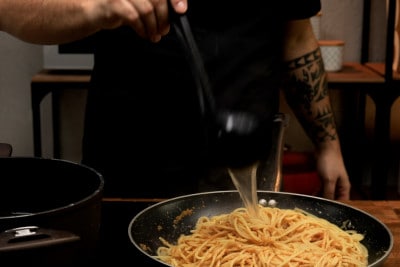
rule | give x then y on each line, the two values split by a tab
307	94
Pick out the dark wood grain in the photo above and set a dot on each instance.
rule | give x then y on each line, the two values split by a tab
388	212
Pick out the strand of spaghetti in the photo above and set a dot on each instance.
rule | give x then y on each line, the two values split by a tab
242	227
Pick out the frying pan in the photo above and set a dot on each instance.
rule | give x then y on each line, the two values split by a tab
159	220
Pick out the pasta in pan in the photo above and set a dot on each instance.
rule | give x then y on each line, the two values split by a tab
277	237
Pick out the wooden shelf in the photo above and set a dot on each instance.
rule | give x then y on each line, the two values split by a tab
354	77
379	68
354	73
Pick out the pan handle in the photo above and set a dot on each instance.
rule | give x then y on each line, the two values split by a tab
269	172
33	237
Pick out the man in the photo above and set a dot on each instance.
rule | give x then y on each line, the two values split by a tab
143	128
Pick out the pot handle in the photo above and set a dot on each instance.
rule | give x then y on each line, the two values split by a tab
32	237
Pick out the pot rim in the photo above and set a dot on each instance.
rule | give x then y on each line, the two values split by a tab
97	193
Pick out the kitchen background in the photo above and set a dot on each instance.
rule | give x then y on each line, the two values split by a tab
341	19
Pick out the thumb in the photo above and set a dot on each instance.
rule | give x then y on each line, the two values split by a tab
180	6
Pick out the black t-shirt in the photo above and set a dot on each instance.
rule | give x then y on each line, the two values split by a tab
226	13
143	119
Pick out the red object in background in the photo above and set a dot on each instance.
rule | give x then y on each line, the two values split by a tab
299	173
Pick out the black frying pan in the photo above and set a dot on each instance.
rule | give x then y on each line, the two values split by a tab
144	229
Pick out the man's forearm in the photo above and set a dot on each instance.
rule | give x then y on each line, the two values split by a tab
306	91
46	21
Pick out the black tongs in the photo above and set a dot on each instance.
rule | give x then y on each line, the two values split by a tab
237	122
184	33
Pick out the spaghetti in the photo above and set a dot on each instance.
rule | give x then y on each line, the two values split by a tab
277	237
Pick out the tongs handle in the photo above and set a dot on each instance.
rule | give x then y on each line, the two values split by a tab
183	31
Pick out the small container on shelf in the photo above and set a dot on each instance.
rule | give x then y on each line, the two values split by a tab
332	54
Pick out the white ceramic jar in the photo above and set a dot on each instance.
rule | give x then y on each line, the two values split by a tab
332	54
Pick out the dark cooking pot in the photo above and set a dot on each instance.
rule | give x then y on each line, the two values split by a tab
159	220
50	211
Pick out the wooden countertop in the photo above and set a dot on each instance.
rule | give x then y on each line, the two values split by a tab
388	212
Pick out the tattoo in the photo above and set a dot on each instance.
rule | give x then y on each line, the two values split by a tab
306	89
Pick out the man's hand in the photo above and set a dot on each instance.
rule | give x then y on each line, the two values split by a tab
149	18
